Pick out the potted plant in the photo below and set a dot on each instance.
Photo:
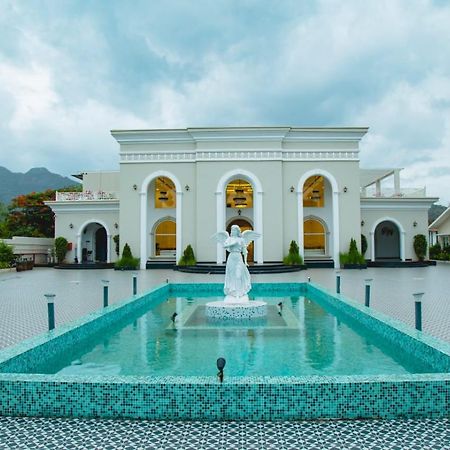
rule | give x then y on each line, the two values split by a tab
420	246
293	258
61	246
188	258
353	259
127	262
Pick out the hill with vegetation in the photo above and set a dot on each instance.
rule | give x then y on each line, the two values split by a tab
37	179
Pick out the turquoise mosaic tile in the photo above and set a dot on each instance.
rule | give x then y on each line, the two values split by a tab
238	398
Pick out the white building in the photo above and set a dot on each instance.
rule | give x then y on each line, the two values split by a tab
178	187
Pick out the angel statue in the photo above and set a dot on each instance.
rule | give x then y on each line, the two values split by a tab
237	276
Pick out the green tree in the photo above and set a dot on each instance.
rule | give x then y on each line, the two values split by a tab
60	248
6	255
27	215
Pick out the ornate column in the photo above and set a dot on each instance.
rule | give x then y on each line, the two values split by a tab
143	230
179	226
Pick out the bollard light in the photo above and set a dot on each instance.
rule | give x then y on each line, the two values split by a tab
105	293
220	366
50	310
418	309
338	281
134	283
368	282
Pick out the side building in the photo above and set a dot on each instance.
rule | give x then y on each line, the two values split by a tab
178	187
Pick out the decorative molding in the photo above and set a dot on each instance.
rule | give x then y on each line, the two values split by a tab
192	136
84	206
238	155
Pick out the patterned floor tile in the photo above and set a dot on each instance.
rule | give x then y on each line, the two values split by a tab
41	433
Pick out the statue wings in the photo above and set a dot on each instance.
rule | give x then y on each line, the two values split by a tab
220	236
249	236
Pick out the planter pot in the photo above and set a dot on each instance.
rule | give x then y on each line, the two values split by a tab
355	266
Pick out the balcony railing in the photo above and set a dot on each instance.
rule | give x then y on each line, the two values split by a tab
85	196
391	193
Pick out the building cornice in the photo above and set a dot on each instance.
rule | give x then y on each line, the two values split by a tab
239	134
397	203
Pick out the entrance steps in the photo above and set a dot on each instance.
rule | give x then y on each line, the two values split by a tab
161	263
254	269
319	263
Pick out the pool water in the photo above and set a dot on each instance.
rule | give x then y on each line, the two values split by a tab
304	338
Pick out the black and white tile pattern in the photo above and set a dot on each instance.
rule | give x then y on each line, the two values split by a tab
43	433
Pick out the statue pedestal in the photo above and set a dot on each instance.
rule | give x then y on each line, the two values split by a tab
232	308
232	299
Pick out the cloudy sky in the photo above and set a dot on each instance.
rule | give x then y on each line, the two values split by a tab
70	71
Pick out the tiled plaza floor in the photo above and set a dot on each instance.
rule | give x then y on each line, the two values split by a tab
37	433
23	310
23	314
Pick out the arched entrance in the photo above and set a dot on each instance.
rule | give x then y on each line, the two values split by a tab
244	225
387	241
239	193
165	239
93	243
314	238
161	196
318	198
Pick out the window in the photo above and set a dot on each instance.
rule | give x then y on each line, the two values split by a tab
165	194
314	192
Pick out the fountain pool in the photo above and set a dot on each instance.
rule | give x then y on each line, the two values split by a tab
319	356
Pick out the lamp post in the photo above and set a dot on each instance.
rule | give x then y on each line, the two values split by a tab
50	310
418	309
367	297
134	283
105	293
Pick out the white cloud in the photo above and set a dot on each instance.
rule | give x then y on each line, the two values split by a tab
380	63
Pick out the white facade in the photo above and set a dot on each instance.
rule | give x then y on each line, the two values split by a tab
276	165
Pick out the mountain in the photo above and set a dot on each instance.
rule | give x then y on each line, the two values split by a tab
35	180
434	212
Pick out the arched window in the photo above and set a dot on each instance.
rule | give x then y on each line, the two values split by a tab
239	194
166	239
165	193
314	237
314	192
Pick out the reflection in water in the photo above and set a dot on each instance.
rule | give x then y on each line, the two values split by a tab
319	335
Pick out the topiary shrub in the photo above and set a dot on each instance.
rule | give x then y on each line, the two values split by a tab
363	244
420	246
293	258
61	245
353	256
6	256
188	258
127	262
